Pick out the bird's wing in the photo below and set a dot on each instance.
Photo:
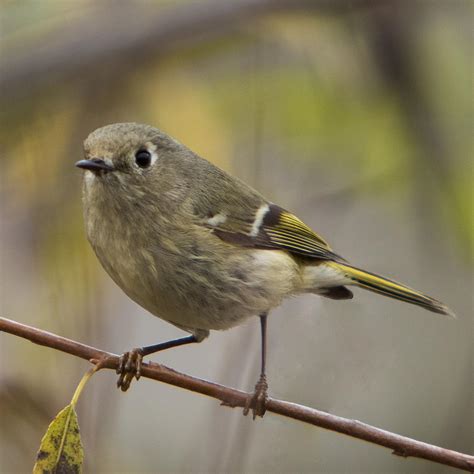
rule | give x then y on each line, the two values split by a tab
272	227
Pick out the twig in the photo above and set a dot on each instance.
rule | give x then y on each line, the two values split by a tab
400	445
107	36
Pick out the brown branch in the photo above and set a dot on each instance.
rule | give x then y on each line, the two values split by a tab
110	37
400	445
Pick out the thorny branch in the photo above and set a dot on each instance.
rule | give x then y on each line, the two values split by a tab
400	445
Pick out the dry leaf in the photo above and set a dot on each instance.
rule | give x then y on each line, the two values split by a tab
61	447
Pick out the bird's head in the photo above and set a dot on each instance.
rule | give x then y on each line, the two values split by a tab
130	161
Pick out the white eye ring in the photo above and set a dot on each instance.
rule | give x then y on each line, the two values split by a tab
146	156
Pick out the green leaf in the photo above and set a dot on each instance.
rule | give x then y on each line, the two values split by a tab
61	447
61	450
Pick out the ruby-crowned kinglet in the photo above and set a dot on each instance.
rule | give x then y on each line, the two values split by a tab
200	248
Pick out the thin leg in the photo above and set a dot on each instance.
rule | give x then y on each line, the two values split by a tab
263	332
258	399
131	362
147	350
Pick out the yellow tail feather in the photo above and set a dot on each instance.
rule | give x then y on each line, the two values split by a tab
393	289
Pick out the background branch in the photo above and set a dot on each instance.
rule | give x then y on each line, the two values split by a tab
400	445
134	32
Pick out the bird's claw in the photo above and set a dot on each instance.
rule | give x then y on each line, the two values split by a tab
258	400
130	366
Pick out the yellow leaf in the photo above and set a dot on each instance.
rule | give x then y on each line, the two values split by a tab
61	447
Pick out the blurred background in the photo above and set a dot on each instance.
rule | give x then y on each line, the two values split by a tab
356	115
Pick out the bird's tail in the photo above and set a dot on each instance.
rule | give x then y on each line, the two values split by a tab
384	286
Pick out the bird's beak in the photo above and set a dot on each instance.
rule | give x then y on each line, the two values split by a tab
94	164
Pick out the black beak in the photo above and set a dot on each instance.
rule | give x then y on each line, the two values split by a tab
94	164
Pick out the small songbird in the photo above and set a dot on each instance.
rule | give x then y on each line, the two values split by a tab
201	249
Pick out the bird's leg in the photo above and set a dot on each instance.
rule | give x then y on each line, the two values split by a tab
130	364
257	401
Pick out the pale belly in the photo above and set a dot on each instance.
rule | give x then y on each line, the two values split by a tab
200	293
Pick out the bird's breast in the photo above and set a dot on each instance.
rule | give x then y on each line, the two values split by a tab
188	276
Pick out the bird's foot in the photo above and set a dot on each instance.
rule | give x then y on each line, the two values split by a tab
130	366
258	400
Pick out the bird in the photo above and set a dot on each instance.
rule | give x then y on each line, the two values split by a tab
201	249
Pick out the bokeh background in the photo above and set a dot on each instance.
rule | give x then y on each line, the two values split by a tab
356	115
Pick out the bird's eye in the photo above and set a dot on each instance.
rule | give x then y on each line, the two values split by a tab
143	158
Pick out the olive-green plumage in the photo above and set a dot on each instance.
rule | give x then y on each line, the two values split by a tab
198	247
